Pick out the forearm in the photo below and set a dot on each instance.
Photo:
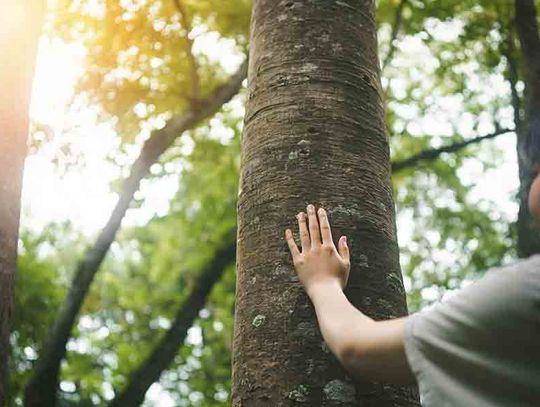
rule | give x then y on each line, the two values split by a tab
338	319
368	349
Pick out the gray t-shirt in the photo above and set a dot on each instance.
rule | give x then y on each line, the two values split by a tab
481	347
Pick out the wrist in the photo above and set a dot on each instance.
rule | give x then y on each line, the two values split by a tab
319	289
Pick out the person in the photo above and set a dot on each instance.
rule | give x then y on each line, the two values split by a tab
479	348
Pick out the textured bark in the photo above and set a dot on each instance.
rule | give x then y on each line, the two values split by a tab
163	353
42	387
434	153
18	50
529	129
314	132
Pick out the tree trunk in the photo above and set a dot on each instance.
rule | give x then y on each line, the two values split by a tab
529	130
18	50
314	133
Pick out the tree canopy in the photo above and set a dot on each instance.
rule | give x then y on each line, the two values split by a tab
452	71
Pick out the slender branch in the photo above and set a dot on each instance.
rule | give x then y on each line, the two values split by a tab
163	353
434	153
393	36
186	25
41	389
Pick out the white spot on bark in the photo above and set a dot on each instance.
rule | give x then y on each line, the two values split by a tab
293	155
306	329
325	347
258	321
336	47
282	17
309	67
310	366
343	4
363	260
281	270
395	283
338	390
299	394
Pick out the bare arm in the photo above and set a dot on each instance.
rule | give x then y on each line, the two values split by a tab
368	349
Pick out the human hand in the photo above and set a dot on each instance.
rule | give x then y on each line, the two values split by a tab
319	263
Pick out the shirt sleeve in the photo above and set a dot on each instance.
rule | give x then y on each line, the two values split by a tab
475	348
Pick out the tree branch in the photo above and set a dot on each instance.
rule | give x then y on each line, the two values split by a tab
186	25
163	353
434	153
41	389
393	36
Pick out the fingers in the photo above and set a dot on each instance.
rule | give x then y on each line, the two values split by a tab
292	244
343	249
313	226
326	231
304	234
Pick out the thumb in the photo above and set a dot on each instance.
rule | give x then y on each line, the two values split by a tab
343	249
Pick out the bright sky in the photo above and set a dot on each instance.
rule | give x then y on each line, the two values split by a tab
82	195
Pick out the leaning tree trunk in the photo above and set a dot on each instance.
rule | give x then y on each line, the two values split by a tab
529	130
314	132
18	50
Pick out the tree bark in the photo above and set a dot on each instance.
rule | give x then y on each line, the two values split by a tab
18	50
42	387
314	133
528	143
163	353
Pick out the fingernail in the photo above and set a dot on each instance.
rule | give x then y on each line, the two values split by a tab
300	215
345	239
321	211
310	207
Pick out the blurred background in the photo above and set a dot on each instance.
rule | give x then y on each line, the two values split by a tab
111	73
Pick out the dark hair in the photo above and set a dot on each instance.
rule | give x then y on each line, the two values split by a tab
529	146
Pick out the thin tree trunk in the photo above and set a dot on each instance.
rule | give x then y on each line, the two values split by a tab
163	353
42	387
18	50
314	132
529	130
